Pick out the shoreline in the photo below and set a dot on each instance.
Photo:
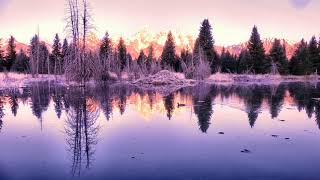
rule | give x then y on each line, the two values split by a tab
15	80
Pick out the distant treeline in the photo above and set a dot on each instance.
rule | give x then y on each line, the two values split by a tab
197	63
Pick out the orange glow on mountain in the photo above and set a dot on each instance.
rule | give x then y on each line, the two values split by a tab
145	37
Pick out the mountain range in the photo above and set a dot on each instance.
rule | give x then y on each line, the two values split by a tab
142	40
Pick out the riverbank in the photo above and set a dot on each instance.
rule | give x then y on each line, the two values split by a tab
260	79
162	81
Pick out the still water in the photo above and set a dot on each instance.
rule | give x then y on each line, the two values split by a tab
50	131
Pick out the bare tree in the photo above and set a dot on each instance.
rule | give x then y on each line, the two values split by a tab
78	24
202	68
34	55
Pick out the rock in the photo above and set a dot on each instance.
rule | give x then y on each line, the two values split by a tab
133	157
286	138
282	120
221	133
275	136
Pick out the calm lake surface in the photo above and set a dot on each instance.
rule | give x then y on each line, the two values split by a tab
120	132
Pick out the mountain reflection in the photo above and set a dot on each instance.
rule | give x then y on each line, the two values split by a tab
82	107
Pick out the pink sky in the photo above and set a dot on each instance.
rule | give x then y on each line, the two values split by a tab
232	20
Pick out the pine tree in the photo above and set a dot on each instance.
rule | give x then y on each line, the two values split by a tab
64	54
56	55
105	47
22	63
300	63
105	54
196	52
11	53
43	58
141	59
168	56
39	57
186	57
318	64
65	47
206	42
122	54
228	62
257	53
129	59
1	57
244	65
34	55
278	57
150	57
314	55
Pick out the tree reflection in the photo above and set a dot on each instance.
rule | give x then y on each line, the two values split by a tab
151	98
169	105
122	101
1	113
107	97
40	99
202	104
253	98
82	130
57	98
203	110
13	101
303	95
317	114
276	100
106	102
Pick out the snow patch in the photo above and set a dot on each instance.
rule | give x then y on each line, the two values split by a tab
16	80
259	78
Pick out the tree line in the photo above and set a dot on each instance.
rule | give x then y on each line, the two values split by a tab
77	62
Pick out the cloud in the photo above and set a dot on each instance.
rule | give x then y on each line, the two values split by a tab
299	4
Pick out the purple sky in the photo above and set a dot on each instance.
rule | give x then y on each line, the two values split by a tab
232	20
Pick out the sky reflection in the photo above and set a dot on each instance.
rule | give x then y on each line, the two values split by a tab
50	131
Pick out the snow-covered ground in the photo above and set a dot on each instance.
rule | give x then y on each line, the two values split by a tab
16	80
164	81
259	79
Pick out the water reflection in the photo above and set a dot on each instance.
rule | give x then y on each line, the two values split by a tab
202	103
108	98
80	108
169	105
81	129
1	113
